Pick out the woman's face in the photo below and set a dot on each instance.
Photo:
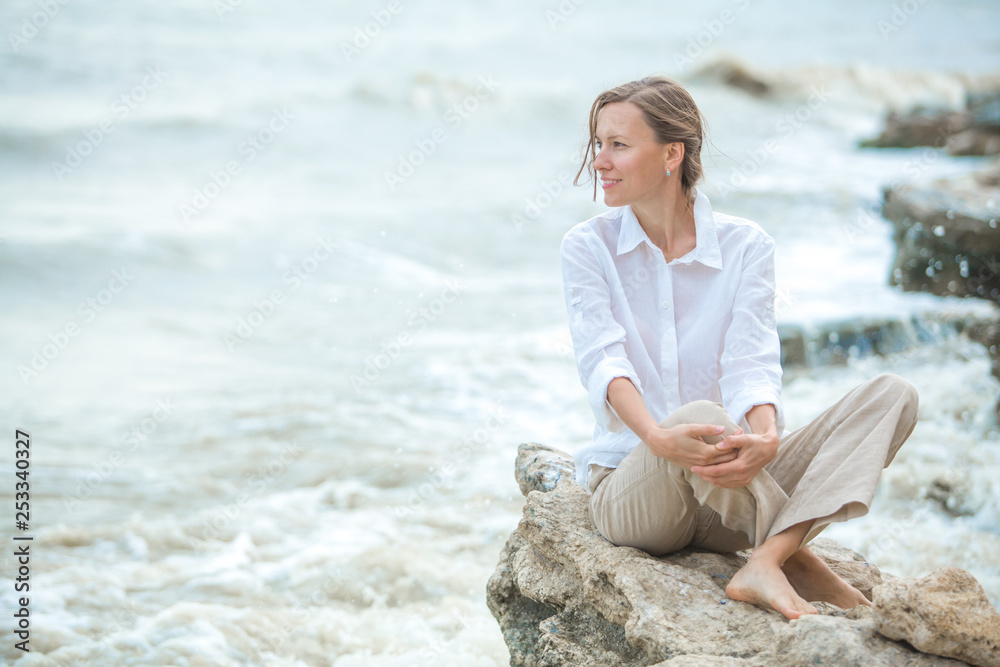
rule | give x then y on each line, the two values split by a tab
631	164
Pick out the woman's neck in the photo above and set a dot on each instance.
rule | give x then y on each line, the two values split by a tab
669	223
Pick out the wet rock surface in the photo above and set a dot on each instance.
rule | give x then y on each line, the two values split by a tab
947	232
947	237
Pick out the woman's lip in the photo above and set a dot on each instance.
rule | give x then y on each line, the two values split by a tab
608	185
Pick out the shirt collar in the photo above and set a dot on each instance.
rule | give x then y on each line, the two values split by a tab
706	248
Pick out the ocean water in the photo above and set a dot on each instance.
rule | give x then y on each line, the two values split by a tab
281	297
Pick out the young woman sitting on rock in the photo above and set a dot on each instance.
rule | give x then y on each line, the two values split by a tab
671	311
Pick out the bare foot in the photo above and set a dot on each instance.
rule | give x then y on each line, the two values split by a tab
813	579
765	585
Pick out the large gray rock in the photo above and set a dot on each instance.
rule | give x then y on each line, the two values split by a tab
947	237
563	595
946	612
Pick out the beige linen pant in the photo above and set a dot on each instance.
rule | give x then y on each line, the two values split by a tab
825	471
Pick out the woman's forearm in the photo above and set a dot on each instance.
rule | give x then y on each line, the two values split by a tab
682	444
628	404
763	419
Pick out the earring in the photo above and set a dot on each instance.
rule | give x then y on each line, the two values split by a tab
668	172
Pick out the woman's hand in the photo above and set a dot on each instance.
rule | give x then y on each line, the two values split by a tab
754	451
682	444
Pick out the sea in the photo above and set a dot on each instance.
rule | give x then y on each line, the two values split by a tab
281	297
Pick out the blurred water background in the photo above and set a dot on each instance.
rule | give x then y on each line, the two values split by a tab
280	298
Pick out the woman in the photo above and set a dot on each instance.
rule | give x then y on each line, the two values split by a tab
671	311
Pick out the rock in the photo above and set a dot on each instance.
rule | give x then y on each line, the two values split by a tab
974	141
972	131
947	237
987	334
837	341
989	177
983	135
985	107
919	127
736	74
945	613
540	468
951	492
563	595
850	565
703	661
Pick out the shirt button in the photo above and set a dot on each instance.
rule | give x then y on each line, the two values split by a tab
665	304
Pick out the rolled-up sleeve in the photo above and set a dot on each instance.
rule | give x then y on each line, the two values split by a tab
751	355
598	339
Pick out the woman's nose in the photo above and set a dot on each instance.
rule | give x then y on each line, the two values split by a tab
601	161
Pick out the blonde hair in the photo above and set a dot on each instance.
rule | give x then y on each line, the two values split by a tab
669	110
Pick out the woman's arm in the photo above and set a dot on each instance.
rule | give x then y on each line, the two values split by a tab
598	339
680	444
763	419
751	373
750	364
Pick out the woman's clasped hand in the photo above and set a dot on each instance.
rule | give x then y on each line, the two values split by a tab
729	463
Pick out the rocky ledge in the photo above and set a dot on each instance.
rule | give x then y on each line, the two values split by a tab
974	130
947	235
563	595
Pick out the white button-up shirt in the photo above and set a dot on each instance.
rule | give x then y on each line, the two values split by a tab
701	326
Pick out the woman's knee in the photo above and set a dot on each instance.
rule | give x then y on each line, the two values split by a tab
906	393
701	411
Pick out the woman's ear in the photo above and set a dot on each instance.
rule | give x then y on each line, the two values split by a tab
673	155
